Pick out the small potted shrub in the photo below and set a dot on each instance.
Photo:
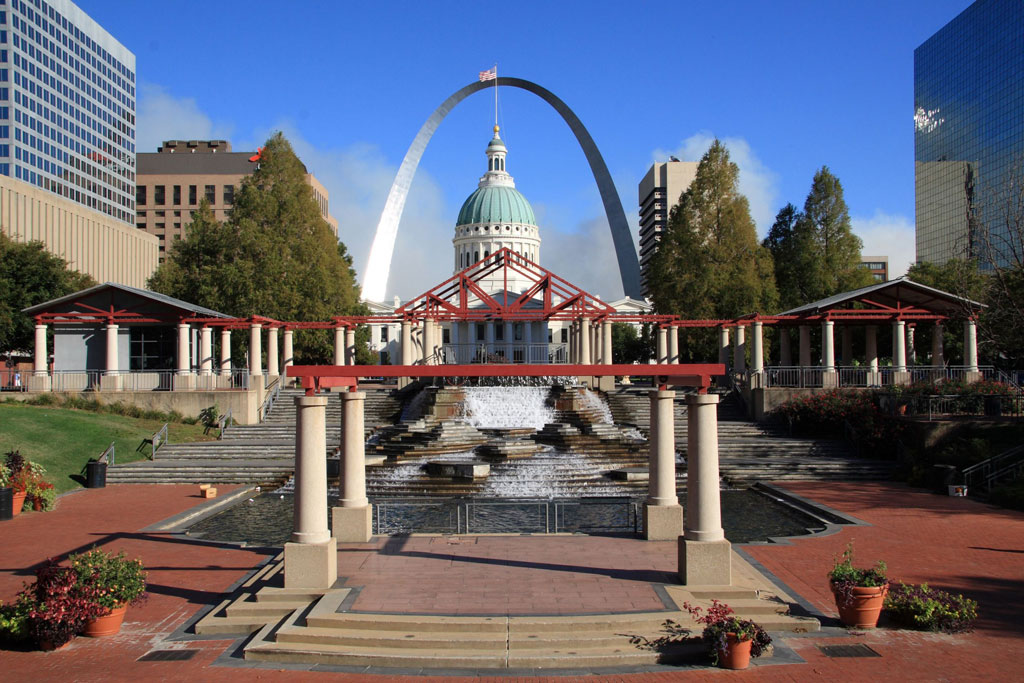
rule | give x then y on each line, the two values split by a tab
928	609
731	641
20	475
112	582
859	593
57	609
42	494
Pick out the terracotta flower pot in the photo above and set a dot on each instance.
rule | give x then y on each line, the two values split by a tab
106	624
19	502
736	654
37	504
48	645
863	607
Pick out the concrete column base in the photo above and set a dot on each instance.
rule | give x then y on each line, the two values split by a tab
352	525
403	382
705	563
829	379
663	522
311	565
874	378
110	383
901	377
972	376
605	383
40	383
184	382
223	382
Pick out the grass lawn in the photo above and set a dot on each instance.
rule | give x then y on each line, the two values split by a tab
62	440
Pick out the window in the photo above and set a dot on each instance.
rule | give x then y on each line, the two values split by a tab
192	195
481	332
229	194
140	195
446	335
152	348
384	330
519	331
565	336
499	332
177	195
211	194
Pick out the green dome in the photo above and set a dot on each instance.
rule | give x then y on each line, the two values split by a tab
496	204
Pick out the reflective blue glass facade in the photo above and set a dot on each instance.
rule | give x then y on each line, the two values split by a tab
969	131
67	106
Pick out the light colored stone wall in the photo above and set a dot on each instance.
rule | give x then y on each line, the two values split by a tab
91	242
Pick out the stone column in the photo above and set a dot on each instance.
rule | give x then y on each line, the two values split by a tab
938	359
352	521
489	336
606	344
572	342
673	345
350	346
273	360
585	357
663	516
184	361
899	353
662	345
528	339
111	381
510	341
428	342
739	351
871	355
757	355
406	343
723	345
40	380
971	350
224	381
206	350
289	349
805	346
704	554
112	361
311	556
339	345
256	350
828	354
785	348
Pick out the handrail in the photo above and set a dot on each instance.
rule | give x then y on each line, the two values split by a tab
985	467
159	439
268	402
111	451
223	422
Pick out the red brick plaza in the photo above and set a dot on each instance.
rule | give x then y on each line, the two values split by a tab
952	543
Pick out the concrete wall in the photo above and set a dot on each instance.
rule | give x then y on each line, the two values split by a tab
84	347
91	242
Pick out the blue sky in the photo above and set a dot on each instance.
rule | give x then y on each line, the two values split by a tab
790	86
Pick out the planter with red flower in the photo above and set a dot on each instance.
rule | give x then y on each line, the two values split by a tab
20	475
112	582
859	592
731	641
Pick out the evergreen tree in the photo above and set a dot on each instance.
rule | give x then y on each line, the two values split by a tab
709	263
833	264
30	275
275	256
790	242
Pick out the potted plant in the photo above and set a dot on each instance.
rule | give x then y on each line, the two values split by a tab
42	494
859	593
19	475
112	582
57	609
731	641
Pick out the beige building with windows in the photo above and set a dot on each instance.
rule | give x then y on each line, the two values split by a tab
107	249
659	191
172	181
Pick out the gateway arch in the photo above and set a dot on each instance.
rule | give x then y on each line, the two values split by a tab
379	265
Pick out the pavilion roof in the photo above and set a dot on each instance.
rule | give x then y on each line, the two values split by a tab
894	298
90	304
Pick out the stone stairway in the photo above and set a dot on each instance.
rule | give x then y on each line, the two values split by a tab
262	454
315	627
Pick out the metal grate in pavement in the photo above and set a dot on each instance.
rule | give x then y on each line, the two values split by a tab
168	655
848	651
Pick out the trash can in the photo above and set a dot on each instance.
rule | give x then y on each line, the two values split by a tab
943	476
993	406
6	503
333	468
95	474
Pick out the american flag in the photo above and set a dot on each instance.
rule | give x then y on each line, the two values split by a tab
489	75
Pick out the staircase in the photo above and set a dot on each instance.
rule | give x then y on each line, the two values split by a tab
262	454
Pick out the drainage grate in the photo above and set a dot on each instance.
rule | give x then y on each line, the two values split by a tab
168	655
848	651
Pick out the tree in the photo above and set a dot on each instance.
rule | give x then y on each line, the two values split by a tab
30	275
275	256
709	263
790	242
628	346
961	278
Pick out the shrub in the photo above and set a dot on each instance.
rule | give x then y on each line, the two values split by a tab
14	621
109	580
825	413
928	609
57	608
720	620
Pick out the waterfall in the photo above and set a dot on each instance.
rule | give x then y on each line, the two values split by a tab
508	407
596	403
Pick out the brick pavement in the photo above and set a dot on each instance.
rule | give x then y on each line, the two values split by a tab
955	544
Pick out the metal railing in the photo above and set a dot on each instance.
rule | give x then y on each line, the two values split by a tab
158	440
861	376
146	380
793	376
996	467
108	455
503	352
223	422
268	402
498	515
75	380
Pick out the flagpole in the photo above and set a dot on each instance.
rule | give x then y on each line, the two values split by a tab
495	93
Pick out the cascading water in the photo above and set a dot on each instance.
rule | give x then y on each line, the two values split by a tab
593	402
508	407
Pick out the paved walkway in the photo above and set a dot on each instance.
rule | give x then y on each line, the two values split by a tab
953	543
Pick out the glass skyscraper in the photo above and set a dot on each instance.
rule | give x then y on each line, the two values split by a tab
969	132
67	106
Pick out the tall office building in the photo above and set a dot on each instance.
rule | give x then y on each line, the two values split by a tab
181	173
67	140
659	191
968	131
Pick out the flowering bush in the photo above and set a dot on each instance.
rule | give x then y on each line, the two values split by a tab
719	620
109	580
20	472
928	609
57	607
44	492
826	413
